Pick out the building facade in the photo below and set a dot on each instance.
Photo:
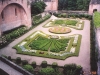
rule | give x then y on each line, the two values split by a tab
14	13
52	5
94	6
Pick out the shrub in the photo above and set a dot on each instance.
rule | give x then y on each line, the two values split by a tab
72	69
24	62
18	60
54	65
9	58
44	64
47	71
28	68
33	64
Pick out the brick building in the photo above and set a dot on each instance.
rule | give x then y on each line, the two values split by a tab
94	6
14	13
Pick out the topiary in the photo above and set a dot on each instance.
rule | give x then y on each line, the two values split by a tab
9	58
24	62
33	64
18	60
44	64
54	65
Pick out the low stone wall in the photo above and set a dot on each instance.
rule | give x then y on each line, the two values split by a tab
16	67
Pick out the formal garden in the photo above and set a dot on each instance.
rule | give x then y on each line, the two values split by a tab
59	43
51	46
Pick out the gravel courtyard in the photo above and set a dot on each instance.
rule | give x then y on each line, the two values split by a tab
84	55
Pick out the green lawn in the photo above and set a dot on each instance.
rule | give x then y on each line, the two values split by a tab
96	19
45	44
66	22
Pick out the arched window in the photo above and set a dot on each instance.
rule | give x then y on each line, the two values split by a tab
94	10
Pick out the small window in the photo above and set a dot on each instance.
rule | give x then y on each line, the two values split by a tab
22	1
2	16
2	2
15	12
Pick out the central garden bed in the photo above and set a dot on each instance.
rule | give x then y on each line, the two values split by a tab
51	46
59	30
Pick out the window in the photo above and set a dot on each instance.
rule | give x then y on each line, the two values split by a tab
2	2
22	1
2	16
15	12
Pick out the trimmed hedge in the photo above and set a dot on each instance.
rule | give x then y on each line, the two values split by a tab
33	64
96	19
73	15
45	53
18	60
44	64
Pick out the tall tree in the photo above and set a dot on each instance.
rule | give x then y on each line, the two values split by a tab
37	7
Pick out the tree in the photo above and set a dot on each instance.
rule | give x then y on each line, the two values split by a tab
73	5
37	7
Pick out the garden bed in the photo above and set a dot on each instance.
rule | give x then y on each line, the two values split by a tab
73	23
41	44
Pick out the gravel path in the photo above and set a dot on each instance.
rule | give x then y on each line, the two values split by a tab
84	56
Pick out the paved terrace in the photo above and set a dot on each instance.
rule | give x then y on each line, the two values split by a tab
84	56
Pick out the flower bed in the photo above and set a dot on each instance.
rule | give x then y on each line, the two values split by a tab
50	46
59	30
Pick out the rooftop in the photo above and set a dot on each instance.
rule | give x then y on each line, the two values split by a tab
95	2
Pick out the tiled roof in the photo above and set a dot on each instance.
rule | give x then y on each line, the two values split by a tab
95	2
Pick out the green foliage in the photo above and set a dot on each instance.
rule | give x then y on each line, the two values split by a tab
72	69
96	19
24	62
93	53
55	55
66	22
38	21
18	60
11	35
37	17
37	7
47	71
46	44
33	64
54	65
74	15
44	64
73	5
28	68
9	58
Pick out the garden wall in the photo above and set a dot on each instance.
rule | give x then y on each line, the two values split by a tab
16	67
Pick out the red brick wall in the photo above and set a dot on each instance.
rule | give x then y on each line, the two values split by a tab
14	14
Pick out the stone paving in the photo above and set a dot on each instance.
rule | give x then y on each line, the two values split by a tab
84	55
